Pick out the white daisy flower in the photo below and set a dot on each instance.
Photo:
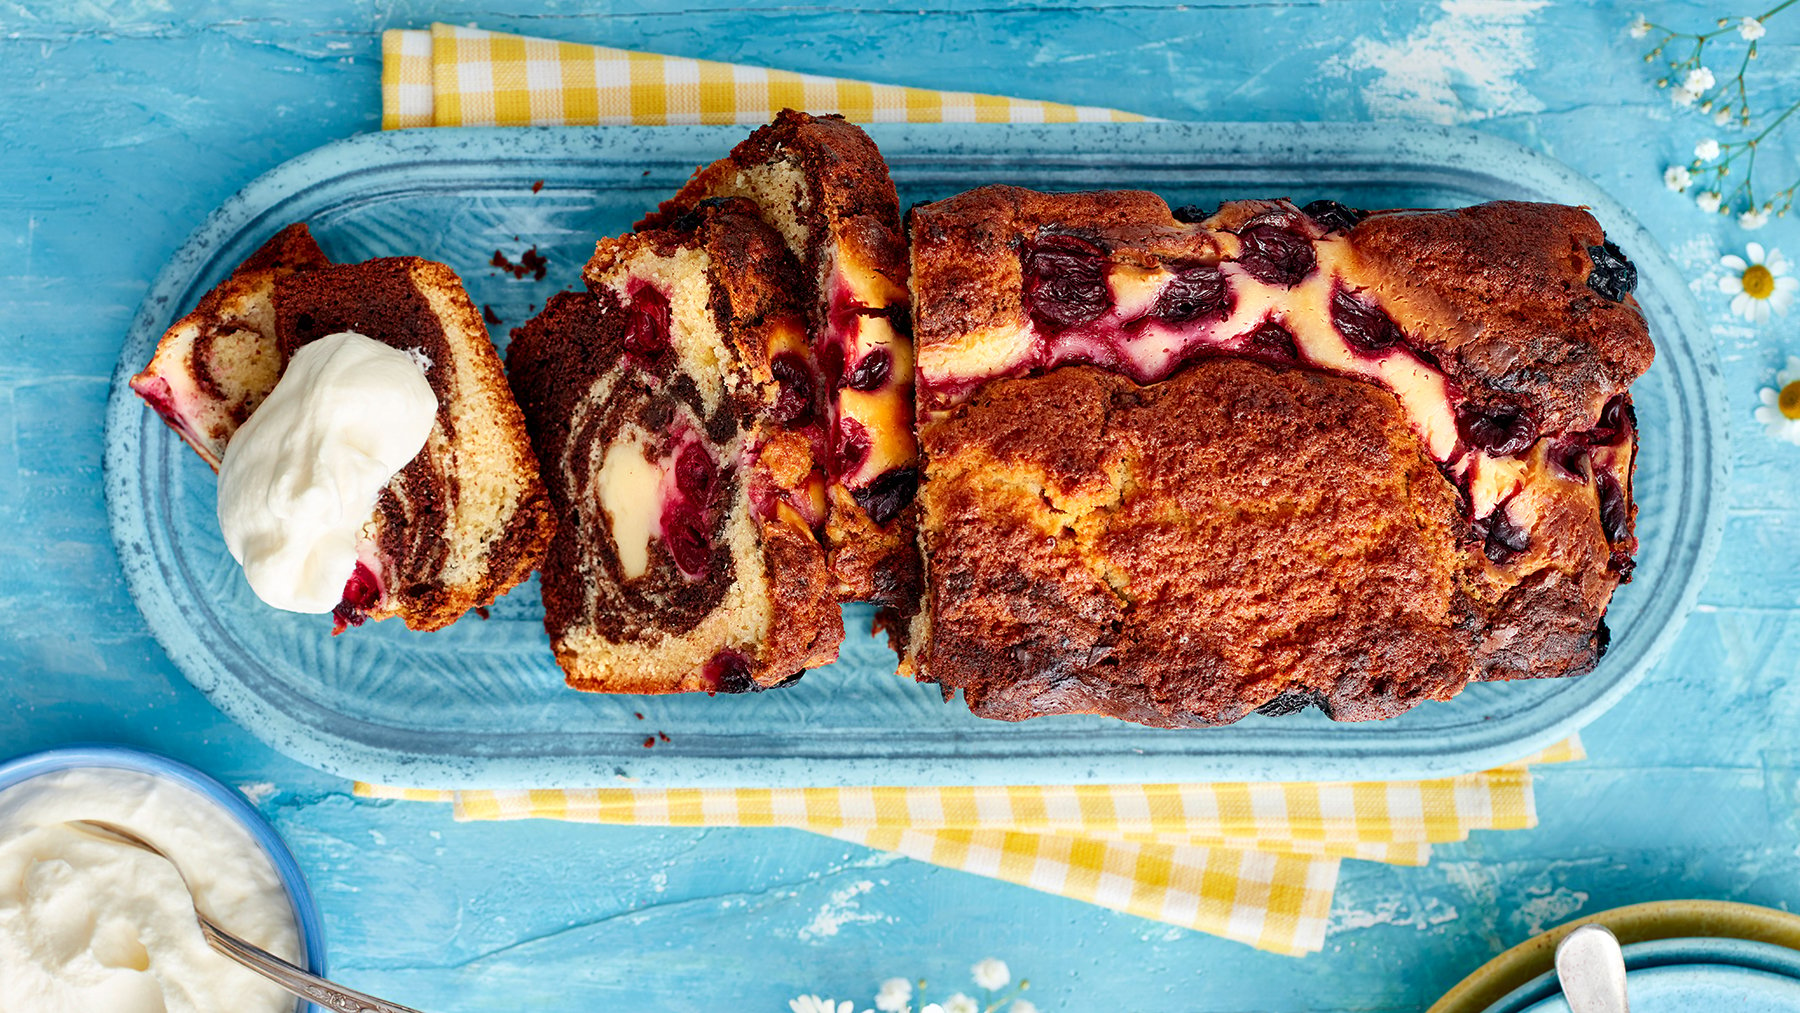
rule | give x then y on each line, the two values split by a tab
1780	409
960	1003
1758	283
814	1004
1022	1006
1699	81
1640	27
1677	178
1722	115
991	974
1754	218
1707	150
894	995
1751	29
1709	202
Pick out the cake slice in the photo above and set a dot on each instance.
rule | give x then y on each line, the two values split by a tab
1187	466
676	413
464	521
820	182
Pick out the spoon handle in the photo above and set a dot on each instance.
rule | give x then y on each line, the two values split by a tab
300	982
1591	968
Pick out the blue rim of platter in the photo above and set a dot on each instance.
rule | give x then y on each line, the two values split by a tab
1694	951
307	920
364	750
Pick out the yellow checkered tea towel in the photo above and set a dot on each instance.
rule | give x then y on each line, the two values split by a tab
465	77
1251	862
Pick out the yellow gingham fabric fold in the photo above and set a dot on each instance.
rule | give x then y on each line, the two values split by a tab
1251	862
454	76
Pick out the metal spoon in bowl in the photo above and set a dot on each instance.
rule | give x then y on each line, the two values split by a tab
298	981
1591	969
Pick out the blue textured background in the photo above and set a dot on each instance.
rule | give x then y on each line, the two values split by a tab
122	123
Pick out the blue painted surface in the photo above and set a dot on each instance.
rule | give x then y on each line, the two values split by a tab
122	124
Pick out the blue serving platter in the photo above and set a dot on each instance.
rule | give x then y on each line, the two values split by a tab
482	704
307	922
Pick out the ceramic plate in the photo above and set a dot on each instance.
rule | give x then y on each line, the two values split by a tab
482	704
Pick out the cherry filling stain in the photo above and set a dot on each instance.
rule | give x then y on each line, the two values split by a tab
1196	292
884	498
1271	341
728	672
157	393
1502	540
1571	459
1333	216
647	324
831	364
695	473
362	592
1364	325
794	403
872	372
1615	514
1065	281
1276	256
1614	275
853	445
1498	430
684	531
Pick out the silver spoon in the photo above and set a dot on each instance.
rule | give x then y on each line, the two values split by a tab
1591	969
296	980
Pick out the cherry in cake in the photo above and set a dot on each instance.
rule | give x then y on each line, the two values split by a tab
823	186
468	518
1185	466
680	418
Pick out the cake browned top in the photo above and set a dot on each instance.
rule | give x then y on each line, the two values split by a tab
1236	536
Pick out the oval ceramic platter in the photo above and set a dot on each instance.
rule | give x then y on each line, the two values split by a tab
483	704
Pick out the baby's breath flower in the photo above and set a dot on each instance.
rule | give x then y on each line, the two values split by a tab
894	995
991	974
1677	178
1699	81
960	1003
1755	218
1640	27
1682	97
1751	29
1722	115
1709	202
814	1004
1706	150
932	1007
1022	1006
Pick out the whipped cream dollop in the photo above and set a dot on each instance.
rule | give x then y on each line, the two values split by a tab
300	477
91	925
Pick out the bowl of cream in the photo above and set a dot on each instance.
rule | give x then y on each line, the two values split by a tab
88	924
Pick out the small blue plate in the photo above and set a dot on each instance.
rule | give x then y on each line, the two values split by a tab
1687	975
306	913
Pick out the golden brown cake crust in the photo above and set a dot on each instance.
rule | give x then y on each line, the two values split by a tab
1184	553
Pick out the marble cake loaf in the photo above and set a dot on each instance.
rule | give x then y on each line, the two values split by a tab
1182	467
820	182
468	518
674	409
